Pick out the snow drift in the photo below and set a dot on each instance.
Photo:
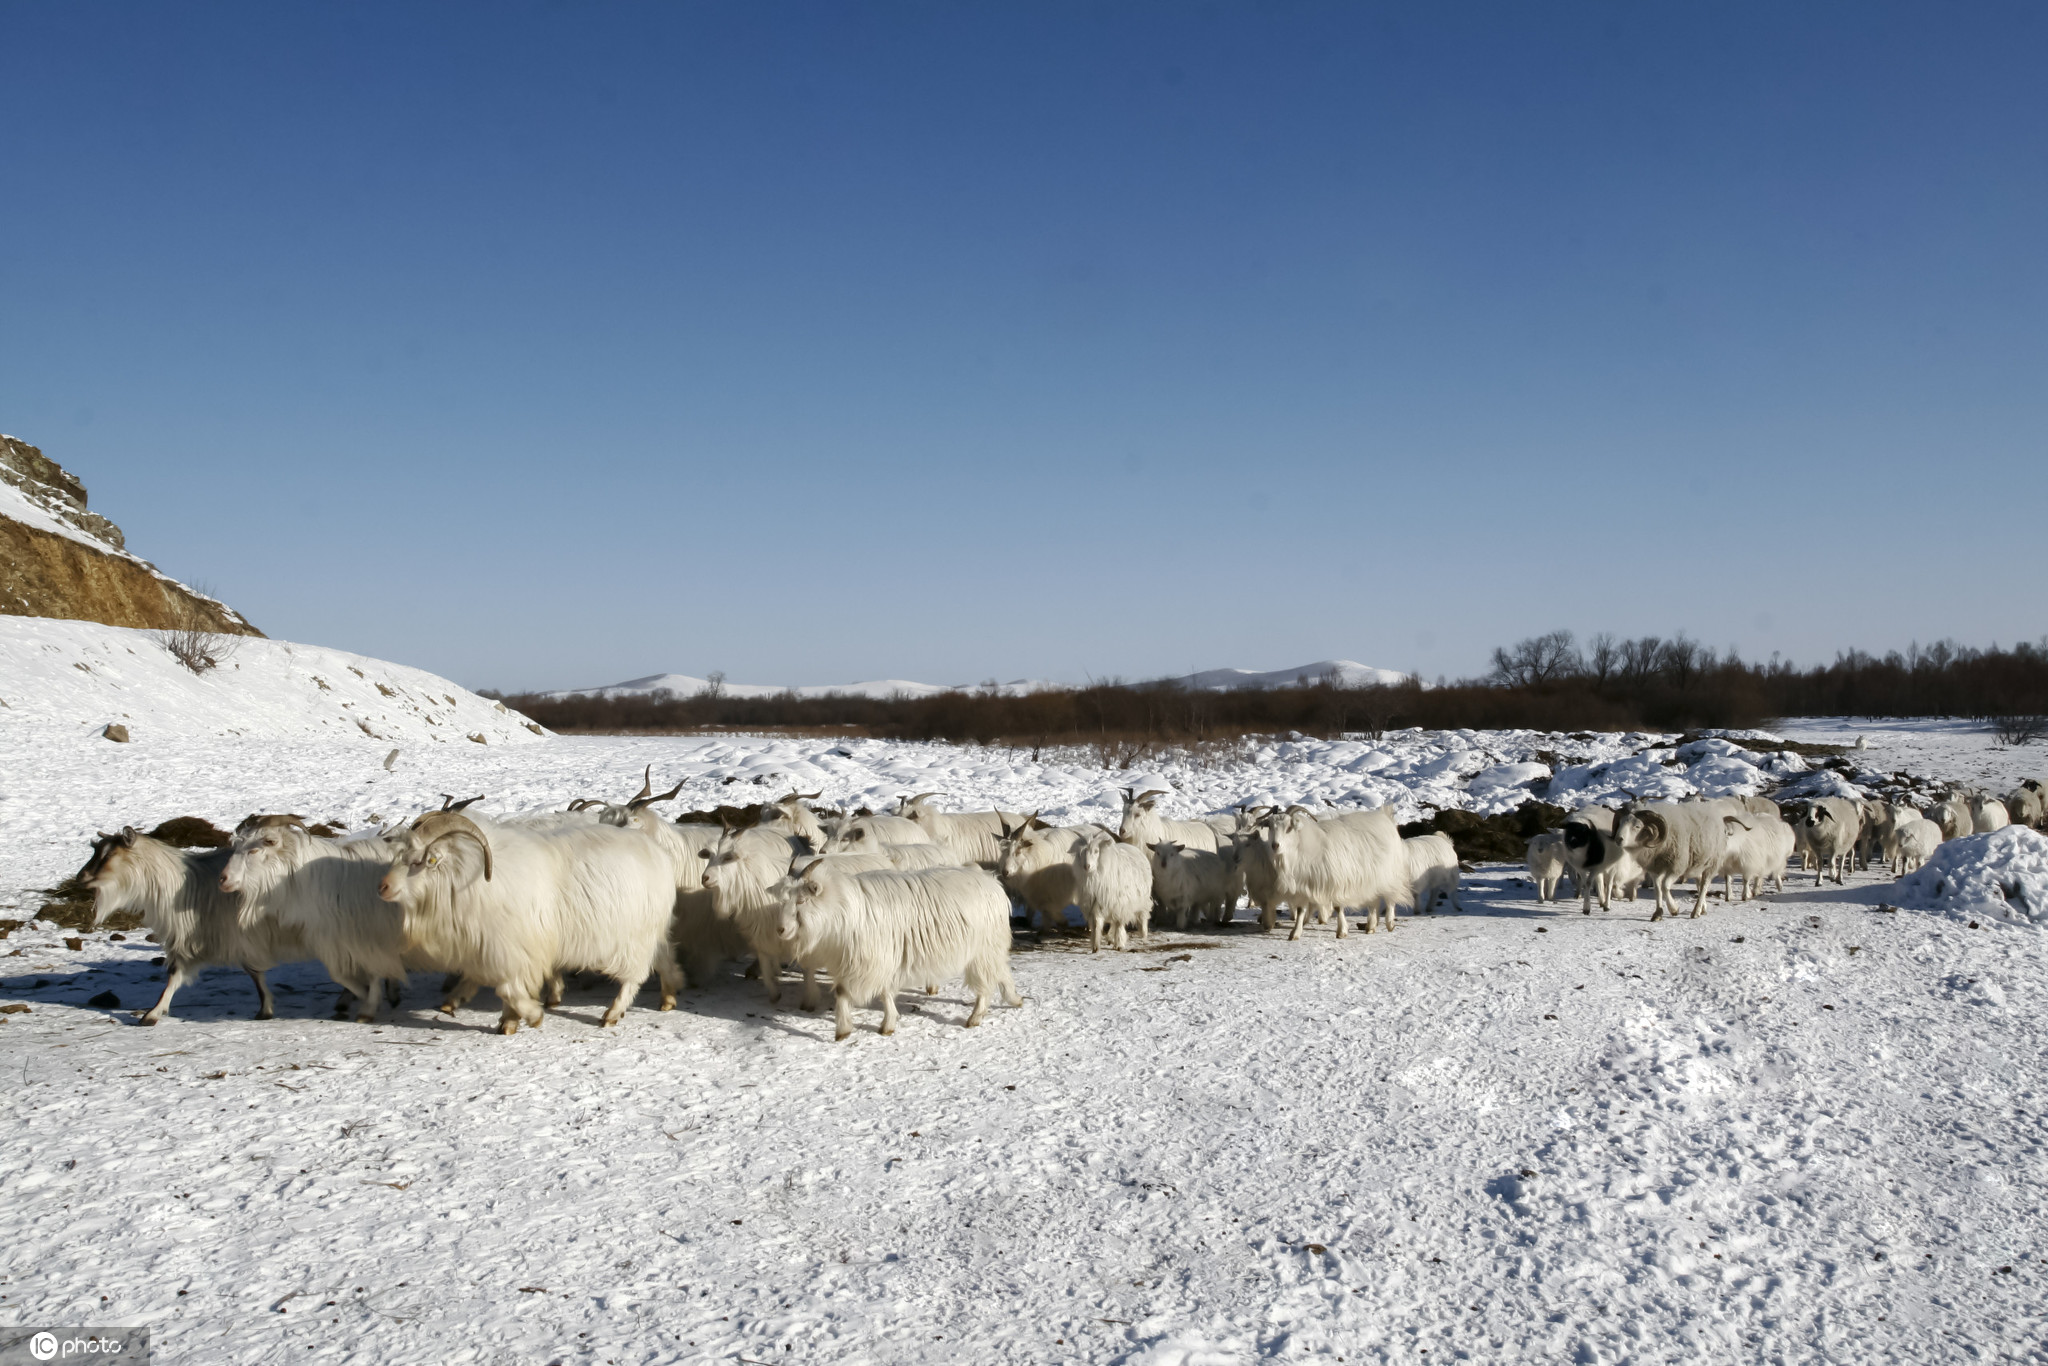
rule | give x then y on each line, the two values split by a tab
64	680
2003	875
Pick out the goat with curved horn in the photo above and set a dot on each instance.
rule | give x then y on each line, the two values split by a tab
438	827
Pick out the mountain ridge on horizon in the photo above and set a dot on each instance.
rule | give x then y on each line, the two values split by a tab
1344	672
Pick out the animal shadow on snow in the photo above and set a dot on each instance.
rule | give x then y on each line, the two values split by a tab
1504	893
741	1000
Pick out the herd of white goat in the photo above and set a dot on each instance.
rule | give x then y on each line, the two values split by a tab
879	903
1609	852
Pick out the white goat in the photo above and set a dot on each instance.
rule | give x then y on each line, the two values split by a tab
1041	867
1952	814
1918	838
1352	860
1874	840
744	873
1143	825
877	932
1758	848
1672	841
325	892
864	834
1113	888
791	817
1433	868
177	892
595	898
2027	804
1833	825
971	836
703	939
1189	881
1987	813
1546	863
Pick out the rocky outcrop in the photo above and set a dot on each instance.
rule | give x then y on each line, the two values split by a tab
57	559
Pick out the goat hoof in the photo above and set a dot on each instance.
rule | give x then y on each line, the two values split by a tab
668	1002
842	1036
508	1027
447	1007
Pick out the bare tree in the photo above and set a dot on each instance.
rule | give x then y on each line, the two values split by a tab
714	685
1539	659
1602	659
1683	660
1640	658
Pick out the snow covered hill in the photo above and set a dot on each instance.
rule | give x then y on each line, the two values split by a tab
1343	672
688	685
64	682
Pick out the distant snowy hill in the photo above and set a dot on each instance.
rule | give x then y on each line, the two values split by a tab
1345	673
687	685
72	679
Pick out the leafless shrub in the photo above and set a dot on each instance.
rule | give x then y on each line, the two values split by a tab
197	648
2019	728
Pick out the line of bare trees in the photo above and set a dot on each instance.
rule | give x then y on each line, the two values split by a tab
1547	682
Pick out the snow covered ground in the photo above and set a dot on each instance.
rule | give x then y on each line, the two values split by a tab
1804	1128
63	682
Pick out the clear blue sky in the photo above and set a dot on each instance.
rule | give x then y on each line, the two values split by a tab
551	345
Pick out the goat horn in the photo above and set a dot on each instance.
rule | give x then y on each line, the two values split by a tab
646	784
644	800
438	826
448	802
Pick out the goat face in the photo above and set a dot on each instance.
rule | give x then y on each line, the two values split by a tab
1635	830
797	905
259	859
1586	842
110	873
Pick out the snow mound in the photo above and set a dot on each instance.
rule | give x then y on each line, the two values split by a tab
2002	874
68	680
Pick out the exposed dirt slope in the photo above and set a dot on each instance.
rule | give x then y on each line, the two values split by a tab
59	560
